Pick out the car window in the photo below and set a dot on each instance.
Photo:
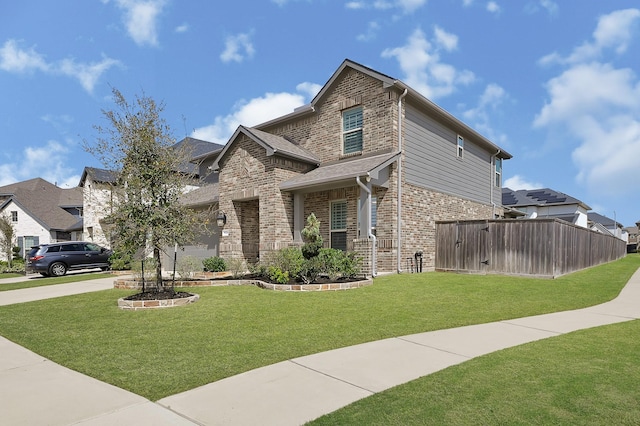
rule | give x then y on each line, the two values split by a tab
71	247
92	247
52	249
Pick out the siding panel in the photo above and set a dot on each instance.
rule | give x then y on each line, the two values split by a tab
431	160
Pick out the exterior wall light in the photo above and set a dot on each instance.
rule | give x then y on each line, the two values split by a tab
221	219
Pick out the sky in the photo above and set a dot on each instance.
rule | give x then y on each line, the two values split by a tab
554	83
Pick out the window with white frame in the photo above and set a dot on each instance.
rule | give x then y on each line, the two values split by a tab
498	167
14	216
352	130
339	225
460	146
374	218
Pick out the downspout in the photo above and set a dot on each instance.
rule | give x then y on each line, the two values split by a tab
492	177
370	235
399	224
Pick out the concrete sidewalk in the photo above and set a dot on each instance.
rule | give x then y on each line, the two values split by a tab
37	391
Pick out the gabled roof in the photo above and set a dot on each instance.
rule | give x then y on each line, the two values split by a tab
343	170
538	197
414	96
98	175
45	203
195	148
603	220
273	144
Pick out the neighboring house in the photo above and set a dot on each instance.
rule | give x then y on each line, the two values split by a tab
600	223
42	213
99	192
373	159
546	203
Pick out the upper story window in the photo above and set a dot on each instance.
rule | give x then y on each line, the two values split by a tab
498	181
460	146
352	130
14	216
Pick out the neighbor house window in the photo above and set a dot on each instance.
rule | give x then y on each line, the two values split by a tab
352	130
339	225
460	146
14	216
498	171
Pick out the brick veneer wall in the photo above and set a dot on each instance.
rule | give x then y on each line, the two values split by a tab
422	208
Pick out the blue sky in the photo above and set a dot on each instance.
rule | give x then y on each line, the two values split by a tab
555	83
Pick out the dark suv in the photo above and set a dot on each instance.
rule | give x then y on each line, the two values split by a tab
57	258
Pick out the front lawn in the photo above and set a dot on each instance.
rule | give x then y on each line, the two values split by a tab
234	329
589	377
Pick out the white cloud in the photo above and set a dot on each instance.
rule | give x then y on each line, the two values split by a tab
13	59
550	6
182	28
488	103
255	111
424	71
141	19
447	40
614	31
87	74
372	29
518	182
54	155
355	5
493	7
238	48
597	106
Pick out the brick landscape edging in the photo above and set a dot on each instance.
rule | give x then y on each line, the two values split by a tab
133	284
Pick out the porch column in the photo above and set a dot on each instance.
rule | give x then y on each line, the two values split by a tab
298	216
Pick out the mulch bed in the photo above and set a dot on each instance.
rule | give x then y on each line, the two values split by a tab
159	295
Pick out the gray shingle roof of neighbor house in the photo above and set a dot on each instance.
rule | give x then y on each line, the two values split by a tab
538	197
45	202
205	195
342	170
98	175
603	220
196	148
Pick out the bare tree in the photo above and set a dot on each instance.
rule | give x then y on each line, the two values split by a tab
7	236
137	145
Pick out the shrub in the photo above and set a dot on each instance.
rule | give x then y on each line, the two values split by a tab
187	266
237	267
312	238
336	263
149	269
120	261
289	260
214	264
278	275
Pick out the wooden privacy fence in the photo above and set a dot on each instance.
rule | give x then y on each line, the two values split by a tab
536	247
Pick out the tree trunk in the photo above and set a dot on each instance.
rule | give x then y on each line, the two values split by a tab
156	256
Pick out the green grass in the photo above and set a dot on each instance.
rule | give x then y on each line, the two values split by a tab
234	329
42	281
589	377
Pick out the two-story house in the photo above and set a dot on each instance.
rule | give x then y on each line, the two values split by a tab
377	162
99	190
41	212
546	203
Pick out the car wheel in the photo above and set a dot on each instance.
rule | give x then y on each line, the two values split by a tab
58	269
